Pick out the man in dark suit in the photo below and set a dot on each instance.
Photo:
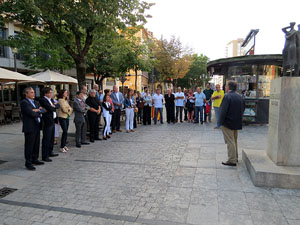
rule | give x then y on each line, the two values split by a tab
231	117
31	114
80	110
48	123
117	99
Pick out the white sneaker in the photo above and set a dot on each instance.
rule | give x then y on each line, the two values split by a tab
66	148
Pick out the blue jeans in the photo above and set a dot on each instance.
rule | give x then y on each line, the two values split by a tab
161	115
217	113
197	110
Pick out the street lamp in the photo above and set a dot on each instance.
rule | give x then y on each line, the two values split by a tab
15	52
152	74
123	79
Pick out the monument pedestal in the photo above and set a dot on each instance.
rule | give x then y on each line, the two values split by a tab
265	173
279	166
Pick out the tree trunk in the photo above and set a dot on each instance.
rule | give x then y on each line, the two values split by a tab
101	82
81	71
136	76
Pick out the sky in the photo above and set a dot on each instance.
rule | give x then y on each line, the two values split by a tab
208	25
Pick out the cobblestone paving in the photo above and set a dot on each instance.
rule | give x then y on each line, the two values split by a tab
159	175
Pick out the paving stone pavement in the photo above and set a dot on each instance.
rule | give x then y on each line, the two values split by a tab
159	175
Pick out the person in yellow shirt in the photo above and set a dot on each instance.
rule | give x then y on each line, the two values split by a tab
217	98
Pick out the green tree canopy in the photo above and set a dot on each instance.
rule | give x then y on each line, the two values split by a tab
38	53
73	25
197	73
172	59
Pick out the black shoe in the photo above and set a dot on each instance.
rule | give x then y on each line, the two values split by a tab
105	138
37	163
108	136
228	164
201	122
92	140
47	160
30	167
196	122
111	132
84	143
53	155
162	123
98	139
78	146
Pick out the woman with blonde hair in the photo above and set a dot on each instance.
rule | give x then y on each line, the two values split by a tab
64	113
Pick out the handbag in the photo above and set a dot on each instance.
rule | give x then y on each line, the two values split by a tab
207	108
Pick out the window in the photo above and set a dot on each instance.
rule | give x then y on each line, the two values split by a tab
20	56
2	37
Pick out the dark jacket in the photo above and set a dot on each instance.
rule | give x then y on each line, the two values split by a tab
169	100
232	110
139	102
107	108
30	118
92	102
48	115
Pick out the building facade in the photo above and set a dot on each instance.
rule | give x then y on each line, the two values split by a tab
253	74
234	48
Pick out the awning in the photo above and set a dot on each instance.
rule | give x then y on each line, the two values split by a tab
10	76
51	77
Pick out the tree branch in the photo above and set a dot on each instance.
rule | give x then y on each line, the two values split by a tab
77	39
71	52
88	41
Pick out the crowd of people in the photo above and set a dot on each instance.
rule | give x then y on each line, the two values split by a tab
50	115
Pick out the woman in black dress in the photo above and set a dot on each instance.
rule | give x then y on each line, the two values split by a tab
170	106
140	105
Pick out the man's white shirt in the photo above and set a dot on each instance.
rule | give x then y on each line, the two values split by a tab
179	102
158	100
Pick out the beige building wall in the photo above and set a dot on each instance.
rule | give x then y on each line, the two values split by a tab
233	48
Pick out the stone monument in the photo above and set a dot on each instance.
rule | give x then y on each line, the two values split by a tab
279	166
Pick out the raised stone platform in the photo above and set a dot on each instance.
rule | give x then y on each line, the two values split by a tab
265	173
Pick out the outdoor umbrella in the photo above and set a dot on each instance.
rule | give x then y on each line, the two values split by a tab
51	77
10	76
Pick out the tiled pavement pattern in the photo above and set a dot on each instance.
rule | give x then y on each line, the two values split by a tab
159	175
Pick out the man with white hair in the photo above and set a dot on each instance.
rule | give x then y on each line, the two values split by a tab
84	91
179	103
96	88
117	99
93	115
199	102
